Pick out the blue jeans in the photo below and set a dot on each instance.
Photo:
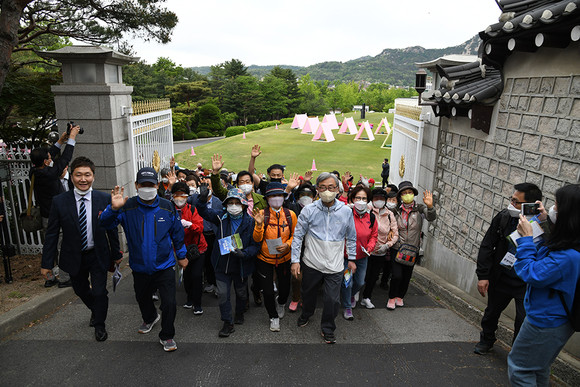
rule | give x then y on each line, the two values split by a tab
224	286
534	351
357	282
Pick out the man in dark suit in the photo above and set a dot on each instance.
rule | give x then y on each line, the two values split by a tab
87	248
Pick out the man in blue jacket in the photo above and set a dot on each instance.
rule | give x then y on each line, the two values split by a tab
153	230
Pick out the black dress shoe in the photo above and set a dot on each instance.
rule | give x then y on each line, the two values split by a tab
50	283
65	284
101	334
92	320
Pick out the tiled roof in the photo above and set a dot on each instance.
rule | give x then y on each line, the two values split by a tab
466	84
518	15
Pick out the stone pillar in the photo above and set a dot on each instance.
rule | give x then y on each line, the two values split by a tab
93	96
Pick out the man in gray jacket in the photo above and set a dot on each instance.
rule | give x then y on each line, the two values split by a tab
323	227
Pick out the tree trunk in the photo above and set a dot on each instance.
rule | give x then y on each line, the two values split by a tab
10	13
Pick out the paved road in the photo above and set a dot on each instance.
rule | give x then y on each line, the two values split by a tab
420	344
180	146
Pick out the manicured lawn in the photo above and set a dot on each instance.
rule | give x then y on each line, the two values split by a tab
295	150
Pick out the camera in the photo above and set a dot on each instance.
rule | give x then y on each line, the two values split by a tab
70	125
530	209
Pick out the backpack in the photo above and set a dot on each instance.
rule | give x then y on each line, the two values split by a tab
267	218
574	313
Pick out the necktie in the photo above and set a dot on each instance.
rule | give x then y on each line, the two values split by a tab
83	224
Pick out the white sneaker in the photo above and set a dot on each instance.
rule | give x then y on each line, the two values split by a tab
275	287
275	324
280	308
366	302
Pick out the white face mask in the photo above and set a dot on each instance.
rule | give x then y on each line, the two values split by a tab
165	180
246	188
361	206
553	214
276	202
83	193
51	164
234	209
305	200
327	196
193	190
514	212
391	205
378	203
179	202
147	193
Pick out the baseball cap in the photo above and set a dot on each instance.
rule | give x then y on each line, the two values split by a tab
147	175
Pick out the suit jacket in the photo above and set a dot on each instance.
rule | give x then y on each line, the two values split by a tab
64	215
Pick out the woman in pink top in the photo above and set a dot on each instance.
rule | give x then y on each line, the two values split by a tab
366	239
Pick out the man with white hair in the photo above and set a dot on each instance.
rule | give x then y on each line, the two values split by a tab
323	227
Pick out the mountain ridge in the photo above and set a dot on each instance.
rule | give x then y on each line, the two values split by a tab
395	66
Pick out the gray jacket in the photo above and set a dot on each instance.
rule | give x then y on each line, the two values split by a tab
411	233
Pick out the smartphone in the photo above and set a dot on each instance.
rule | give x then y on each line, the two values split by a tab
530	209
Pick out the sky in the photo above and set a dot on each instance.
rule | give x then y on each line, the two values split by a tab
306	32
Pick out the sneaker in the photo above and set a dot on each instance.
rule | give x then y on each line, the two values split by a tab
348	314
391	304
366	302
356	296
168	345
352	302
197	311
50	283
188	305
275	287
146	328
302	321
209	288
226	330
155	296
482	348
293	306
239	319
275	324
399	302
280	308
328	338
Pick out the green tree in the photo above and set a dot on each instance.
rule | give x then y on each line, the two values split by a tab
24	22
188	92
210	119
292	90
274	96
312	101
242	96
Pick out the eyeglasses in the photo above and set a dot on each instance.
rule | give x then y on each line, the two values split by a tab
364	198
329	188
515	201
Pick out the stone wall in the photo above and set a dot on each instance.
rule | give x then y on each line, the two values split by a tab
536	139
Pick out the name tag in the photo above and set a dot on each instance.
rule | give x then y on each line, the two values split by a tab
508	260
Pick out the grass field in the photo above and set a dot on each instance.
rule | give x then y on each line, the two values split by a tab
295	150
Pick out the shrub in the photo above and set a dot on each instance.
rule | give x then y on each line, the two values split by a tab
288	120
190	136
252	127
210	119
204	134
235	130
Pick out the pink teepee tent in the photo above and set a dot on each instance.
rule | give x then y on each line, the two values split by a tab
311	126
323	129
331	120
299	121
348	124
366	127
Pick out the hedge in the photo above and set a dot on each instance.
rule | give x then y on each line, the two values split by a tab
204	134
288	120
235	130
190	136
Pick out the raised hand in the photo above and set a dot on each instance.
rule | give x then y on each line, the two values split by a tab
172	163
428	199
117	198
345	178
308	176
256	151
258	217
172	177
216	163
293	182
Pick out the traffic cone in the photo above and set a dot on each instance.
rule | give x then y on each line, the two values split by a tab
276	126
313	166
244	136
192	152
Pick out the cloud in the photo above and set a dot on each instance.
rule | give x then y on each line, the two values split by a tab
306	32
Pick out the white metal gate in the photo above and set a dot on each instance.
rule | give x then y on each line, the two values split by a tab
15	189
407	140
151	134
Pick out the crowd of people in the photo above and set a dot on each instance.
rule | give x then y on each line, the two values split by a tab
279	237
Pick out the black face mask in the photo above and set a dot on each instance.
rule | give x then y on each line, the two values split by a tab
272	180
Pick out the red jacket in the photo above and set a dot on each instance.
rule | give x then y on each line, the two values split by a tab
365	235
194	233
